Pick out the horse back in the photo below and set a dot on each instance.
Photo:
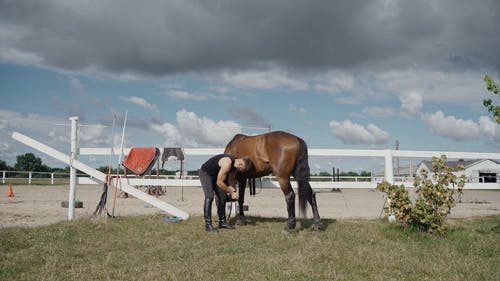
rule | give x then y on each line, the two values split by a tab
255	148
271	152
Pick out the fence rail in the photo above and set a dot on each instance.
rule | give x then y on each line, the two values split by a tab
317	182
34	177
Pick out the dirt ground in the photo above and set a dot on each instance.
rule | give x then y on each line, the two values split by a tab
40	205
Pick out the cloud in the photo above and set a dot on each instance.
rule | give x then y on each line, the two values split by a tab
341	84
178	94
460	129
351	133
411	103
248	115
169	132
47	129
77	86
139	102
19	57
294	108
335	82
413	86
193	131
378	112
272	78
167	37
13	120
487	126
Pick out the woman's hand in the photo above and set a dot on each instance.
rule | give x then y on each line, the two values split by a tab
234	195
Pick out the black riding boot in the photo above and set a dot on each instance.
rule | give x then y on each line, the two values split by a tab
221	206
223	223
207	211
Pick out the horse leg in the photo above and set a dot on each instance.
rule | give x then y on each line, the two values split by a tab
286	187
311	198
317	223
242	182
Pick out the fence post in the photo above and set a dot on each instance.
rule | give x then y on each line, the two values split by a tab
389	173
72	174
3	176
29	178
52	178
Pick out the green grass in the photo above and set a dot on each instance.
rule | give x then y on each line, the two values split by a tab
147	248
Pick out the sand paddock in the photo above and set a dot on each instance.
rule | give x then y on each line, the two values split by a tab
41	204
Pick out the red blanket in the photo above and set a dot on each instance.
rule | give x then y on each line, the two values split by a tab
141	160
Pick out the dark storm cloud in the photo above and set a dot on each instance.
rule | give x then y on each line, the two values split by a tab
248	115
166	37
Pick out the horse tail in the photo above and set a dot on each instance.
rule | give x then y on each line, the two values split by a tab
302	174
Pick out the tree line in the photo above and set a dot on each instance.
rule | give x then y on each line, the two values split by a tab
28	162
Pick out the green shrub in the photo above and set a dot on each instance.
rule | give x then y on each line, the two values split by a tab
435	198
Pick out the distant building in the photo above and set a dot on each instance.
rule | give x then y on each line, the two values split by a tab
482	170
403	173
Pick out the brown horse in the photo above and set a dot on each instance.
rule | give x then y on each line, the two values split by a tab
284	155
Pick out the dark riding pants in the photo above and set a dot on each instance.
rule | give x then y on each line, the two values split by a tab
210	187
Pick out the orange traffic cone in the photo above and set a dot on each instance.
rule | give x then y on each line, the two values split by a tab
10	193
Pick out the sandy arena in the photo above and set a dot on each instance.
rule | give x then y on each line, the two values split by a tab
41	205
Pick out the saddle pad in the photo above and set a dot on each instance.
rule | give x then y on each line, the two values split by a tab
141	160
170	153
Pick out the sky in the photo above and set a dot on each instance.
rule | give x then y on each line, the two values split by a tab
339	74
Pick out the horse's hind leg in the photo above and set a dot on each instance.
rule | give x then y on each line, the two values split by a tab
290	203
307	193
317	223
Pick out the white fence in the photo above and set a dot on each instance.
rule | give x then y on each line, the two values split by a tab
358	182
317	182
34	177
127	184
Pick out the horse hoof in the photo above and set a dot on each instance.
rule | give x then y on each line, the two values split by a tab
318	228
241	222
287	229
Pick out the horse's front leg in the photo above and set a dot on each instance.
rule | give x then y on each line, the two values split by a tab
242	183
286	187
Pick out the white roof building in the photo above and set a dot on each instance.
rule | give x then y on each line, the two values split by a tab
482	170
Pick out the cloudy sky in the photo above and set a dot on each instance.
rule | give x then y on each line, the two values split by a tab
340	74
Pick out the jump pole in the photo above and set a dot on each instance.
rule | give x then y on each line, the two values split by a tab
98	175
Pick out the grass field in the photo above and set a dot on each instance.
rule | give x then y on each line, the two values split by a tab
148	248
